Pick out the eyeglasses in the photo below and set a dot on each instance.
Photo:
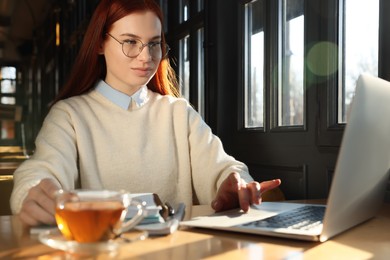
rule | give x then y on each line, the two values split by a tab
132	48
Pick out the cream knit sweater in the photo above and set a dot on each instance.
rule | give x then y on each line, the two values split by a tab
163	146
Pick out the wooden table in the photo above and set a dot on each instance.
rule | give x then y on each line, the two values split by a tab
370	240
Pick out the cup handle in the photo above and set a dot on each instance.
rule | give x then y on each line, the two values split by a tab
137	218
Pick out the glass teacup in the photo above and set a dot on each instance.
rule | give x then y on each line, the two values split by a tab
95	215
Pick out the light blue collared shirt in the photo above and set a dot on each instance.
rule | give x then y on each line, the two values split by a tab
126	102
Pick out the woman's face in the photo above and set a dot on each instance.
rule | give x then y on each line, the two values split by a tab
129	74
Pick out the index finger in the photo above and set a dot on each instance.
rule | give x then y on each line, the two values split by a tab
269	185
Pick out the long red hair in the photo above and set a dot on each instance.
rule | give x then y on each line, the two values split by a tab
90	66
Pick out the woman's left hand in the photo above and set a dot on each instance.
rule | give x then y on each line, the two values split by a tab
235	192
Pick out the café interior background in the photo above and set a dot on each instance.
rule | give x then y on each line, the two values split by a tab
272	78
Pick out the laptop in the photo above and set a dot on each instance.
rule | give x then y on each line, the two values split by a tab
358	186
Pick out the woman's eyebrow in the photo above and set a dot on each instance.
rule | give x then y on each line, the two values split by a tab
157	37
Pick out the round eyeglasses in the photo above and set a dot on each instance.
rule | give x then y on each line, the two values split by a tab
132	48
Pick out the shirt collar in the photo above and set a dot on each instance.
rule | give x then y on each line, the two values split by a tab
124	101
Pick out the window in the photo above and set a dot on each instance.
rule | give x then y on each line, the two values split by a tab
291	89
200	70
9	112
8	85
185	10
254	64
359	47
200	5
185	34
184	67
289	72
278	79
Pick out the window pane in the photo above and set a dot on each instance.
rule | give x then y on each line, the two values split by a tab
291	87
164	7
8	100
254	64
200	5
8	86
8	73
360	47
184	67
185	10
200	35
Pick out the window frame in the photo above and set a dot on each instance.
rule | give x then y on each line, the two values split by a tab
177	30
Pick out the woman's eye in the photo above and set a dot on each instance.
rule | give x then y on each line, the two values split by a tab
154	44
131	42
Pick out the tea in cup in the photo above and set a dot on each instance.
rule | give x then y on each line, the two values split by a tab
88	216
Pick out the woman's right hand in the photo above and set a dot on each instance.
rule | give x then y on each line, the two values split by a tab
39	205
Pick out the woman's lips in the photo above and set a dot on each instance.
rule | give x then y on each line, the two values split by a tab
142	72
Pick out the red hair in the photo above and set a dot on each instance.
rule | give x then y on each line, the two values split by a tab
90	66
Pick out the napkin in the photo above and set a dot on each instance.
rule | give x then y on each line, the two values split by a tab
152	209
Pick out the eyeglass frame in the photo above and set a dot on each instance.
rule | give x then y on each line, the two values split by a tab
142	47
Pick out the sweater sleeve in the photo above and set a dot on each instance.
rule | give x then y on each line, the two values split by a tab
210	164
55	156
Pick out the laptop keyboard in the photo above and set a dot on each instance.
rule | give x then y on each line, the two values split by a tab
302	218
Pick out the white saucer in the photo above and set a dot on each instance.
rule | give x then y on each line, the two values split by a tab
54	239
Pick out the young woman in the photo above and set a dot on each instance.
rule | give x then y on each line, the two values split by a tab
119	124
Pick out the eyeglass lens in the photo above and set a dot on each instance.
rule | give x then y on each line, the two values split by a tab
134	47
